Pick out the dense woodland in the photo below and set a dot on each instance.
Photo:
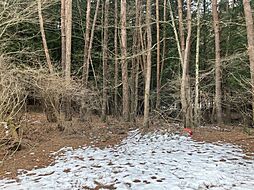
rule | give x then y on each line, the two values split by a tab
185	61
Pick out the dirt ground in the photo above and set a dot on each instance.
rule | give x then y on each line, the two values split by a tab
40	139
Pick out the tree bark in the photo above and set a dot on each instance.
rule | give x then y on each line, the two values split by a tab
87	39
50	111
126	115
44	41
84	110
196	106
250	38
216	27
105	63
149	64
63	36
87	63
181	28
116	60
135	62
175	33
185	88
68	25
164	38
158	81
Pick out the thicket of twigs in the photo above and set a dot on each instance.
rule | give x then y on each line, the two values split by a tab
17	84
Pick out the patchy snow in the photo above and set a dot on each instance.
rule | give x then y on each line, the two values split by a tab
150	162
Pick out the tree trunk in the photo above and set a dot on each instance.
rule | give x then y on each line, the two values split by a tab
126	115
184	59
217	62
44	41
63	36
164	38
185	87
116	110
87	63
196	106
49	108
87	39
158	81
68	25
181	28
105	63
84	110
250	38
135	62
175	33
149	64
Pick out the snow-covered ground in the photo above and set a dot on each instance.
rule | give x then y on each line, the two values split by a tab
152	162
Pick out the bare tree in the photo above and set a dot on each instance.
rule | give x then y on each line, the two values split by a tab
63	35
116	59
68	27
164	37
87	54
44	41
51	116
86	65
158	81
105	63
135	61
180	22
184	60
87	39
148	64
250	38
196	106
185	86
126	115
216	27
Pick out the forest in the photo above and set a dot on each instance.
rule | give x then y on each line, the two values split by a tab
188	61
69	65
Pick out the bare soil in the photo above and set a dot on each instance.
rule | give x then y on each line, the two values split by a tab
40	139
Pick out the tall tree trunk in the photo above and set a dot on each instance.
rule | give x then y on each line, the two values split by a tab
87	63
50	105
87	39
68	25
116	60
164	37
158	81
216	27
250	38
63	35
196	106
184	59
84	110
135	62
105	63
180	22
148	64
44	41
126	115
175	33
185	87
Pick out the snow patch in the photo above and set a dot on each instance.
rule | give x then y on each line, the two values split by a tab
150	162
